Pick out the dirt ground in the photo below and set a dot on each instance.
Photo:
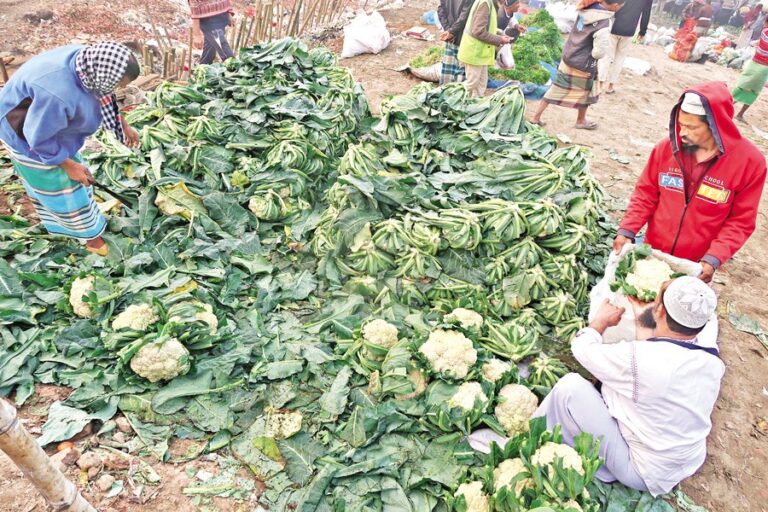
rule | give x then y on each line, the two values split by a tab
631	121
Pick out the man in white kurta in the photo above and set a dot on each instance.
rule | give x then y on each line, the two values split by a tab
653	410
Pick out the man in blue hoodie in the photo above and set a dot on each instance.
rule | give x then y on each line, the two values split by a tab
623	30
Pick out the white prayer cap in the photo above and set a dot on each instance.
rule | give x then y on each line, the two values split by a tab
692	104
690	301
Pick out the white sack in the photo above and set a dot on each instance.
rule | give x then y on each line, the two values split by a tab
625	331
365	34
505	59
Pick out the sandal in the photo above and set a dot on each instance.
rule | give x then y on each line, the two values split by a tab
589	125
539	123
100	251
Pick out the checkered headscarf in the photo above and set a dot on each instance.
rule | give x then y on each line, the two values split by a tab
100	68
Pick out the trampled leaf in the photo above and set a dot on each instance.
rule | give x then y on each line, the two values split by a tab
334	401
63	423
300	452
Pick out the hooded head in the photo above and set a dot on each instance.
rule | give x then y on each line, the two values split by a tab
703	114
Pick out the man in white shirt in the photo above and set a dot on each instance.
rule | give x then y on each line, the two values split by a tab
653	410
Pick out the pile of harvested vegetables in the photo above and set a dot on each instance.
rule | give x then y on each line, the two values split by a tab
333	300
542	43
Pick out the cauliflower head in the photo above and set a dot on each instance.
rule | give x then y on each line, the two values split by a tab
466	396
208	317
494	369
161	360
507	471
450	353
202	312
380	332
467	318
648	276
137	317
572	505
516	405
477	500
80	288
549	452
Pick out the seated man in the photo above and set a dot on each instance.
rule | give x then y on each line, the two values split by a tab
653	411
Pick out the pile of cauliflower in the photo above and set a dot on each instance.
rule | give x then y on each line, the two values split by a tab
449	353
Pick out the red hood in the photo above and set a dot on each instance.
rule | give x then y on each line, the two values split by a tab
718	103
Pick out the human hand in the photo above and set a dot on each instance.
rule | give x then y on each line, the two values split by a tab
619	242
708	272
198	39
506	39
131	136
446	36
78	172
607	316
522	29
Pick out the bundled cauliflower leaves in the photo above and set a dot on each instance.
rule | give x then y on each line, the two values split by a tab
137	317
515	407
450	353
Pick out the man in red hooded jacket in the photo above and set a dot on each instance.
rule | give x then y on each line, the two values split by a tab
700	190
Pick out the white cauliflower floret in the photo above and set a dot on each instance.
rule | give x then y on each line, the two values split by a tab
380	332
450	353
516	405
549	452
572	504
282	425
80	288
208	317
507	471
494	369
467	318
477	500
161	360
649	274
466	396
136	316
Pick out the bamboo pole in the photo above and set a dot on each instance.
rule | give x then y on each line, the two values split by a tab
292	17
251	24
243	33
191	44
266	29
60	493
271	22
308	20
280	17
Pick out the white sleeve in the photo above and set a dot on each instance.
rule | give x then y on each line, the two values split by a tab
611	363
602	40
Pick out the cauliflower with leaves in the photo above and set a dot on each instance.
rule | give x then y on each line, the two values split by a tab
467	395
515	407
477	500
507	471
163	359
449	353
80	288
648	275
494	369
137	317
549	452
379	334
467	318
185	311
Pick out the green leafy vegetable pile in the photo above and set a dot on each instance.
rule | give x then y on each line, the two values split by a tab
334	299
544	44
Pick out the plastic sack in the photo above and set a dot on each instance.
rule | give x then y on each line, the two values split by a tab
625	330
637	66
564	14
365	34
505	59
431	18
428	74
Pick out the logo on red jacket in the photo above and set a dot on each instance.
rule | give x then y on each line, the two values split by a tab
712	192
671	181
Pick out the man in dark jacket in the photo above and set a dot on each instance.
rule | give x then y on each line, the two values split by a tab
453	17
700	190
623	30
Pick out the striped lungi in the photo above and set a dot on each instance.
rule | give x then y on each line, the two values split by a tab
572	88
451	69
64	206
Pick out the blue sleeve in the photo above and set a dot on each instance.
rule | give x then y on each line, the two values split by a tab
46	117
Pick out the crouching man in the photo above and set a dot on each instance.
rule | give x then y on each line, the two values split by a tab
653	411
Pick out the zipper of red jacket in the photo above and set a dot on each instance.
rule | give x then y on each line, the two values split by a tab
687	198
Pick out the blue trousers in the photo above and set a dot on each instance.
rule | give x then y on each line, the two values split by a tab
215	38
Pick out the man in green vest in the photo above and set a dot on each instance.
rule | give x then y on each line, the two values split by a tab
478	46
